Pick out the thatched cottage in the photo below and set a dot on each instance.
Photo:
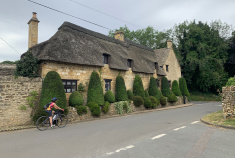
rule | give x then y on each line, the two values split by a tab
74	52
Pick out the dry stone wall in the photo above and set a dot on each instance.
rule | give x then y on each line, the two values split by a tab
228	101
14	92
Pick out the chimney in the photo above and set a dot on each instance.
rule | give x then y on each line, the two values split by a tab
119	35
33	30
169	44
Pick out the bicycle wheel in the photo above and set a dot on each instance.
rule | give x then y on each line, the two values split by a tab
62	121
43	123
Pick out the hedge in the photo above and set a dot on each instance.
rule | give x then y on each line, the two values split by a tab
183	87
165	87
138	89
175	88
120	89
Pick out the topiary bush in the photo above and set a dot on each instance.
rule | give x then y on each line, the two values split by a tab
94	108
120	89
146	93
147	103
172	98
130	94
183	87
106	107
138	89
81	109
95	90
155	102
163	100
75	99
138	100
109	96
153	88
175	88
165	87
231	82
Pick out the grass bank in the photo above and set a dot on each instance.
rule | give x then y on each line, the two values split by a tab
199	96
217	118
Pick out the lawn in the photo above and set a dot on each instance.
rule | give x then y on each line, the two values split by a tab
199	96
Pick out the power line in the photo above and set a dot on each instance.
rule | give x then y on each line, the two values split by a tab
10	45
69	15
104	13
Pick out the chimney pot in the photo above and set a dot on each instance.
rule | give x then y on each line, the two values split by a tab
119	35
34	15
169	44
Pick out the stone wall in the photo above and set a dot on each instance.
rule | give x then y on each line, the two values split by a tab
13	95
228	101
7	69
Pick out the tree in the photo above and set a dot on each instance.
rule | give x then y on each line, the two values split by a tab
95	90
27	66
165	87
175	88
120	89
183	87
138	89
153	88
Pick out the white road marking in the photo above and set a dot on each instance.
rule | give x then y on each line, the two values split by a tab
179	128
121	149
194	122
159	136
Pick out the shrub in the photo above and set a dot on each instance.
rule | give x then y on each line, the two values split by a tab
155	102
75	99
81	88
95	90
172	98
81	109
138	89
165	87
119	107
153	88
127	106
231	82
138	100
163	100
147	103
183	87
130	94
146	93
109	96
22	107
27	66
175	88
106	107
120	89
95	109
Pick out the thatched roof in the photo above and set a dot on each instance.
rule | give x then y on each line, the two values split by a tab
161	55
77	45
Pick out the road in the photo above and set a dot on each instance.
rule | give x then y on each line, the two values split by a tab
175	133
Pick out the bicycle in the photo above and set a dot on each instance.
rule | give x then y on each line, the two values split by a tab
59	119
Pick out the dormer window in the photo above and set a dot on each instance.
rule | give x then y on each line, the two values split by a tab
129	63
161	67
156	66
167	68
105	58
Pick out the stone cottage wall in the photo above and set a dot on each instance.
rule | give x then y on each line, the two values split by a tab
228	101
13	94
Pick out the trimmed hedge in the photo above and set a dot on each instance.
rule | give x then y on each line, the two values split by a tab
146	93
106	107
175	88
138	89
95	90
75	99
120	89
147	103
165	87
172	98
138	100
153	89
109	96
155	102
94	108
183	87
130	94
81	109
163	100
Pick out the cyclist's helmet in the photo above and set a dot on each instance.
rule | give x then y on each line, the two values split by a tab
54	99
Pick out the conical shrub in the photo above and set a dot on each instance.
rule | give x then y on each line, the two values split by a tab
165	87
183	87
75	99
153	88
138	89
120	89
175	88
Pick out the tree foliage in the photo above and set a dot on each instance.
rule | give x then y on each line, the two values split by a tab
120	89
165	87
183	87
153	88
175	88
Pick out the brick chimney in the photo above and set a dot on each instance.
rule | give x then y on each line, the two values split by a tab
33	30
169	44
119	35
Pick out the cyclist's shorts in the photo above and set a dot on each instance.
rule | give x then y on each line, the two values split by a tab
49	112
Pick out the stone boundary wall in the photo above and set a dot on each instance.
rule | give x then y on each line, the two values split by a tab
228	101
13	94
7	69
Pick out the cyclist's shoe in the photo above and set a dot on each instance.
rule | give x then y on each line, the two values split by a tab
52	126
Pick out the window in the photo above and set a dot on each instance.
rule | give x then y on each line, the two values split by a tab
156	66
105	58
69	85
129	63
107	84
161	67
167	67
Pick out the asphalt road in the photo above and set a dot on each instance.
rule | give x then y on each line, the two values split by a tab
175	133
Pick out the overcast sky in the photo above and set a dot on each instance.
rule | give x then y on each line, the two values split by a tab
136	14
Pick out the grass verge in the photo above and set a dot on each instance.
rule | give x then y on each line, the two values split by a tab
217	118
199	96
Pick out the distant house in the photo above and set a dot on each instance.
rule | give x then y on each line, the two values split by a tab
74	52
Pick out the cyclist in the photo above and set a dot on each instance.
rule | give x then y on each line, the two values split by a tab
50	111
